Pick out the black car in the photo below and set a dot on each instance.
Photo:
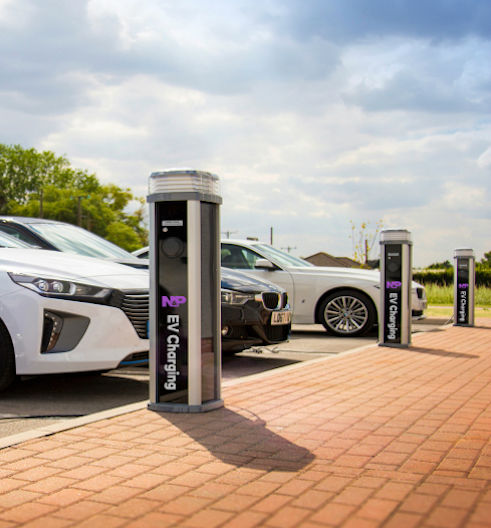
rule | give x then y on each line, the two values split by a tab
254	312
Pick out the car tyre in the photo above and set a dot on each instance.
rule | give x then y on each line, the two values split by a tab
347	313
7	359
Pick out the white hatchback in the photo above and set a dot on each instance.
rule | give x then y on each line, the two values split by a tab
344	300
64	313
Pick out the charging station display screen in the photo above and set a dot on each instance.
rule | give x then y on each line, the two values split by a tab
463	290
393	293
172	309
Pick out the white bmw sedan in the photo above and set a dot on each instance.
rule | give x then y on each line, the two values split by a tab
344	300
64	313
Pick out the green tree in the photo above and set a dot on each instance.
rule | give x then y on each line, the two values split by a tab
440	265
41	184
486	260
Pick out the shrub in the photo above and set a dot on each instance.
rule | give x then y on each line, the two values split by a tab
445	277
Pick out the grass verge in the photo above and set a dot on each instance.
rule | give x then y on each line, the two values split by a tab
447	311
444	295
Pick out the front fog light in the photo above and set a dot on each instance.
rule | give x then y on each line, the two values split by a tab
225	330
62	331
52	327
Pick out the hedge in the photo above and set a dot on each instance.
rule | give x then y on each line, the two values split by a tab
445	277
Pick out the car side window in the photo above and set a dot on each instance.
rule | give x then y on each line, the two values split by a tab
236	257
17	234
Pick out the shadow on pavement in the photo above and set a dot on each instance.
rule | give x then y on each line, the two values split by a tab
242	439
70	395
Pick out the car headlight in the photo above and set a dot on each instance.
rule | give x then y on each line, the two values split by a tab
62	289
233	297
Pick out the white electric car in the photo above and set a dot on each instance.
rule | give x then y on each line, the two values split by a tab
64	313
344	300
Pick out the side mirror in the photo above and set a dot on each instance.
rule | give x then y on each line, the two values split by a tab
264	264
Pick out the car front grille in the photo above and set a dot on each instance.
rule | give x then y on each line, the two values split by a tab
275	301
135	305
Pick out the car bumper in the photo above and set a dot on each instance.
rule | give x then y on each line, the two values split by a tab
419	302
247	325
104	335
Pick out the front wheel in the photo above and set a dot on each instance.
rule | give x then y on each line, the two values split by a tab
347	313
7	359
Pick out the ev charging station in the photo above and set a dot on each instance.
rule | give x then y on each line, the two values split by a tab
184	327
464	283
395	288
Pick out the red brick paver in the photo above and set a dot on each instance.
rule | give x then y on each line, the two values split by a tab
380	437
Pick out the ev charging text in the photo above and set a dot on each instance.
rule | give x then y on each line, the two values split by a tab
462	305
393	314
173	344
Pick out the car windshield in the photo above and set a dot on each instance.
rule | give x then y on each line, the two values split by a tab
282	258
7	241
73	239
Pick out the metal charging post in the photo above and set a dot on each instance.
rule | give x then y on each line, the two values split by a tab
464	284
184	329
395	288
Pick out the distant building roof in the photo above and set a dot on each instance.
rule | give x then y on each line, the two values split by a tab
324	259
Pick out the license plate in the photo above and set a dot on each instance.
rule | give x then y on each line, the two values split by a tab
281	318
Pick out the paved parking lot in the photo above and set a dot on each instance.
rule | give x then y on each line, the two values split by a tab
42	400
376	437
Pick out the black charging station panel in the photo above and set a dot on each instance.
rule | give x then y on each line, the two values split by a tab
463	290
172	308
393	293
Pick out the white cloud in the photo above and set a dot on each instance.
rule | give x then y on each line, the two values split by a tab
311	115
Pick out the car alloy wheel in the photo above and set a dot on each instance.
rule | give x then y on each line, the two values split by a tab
347	313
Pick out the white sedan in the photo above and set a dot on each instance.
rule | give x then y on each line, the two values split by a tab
344	300
64	313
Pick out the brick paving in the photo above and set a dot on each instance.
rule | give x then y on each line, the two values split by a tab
380	437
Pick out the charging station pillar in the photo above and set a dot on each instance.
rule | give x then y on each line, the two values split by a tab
395	288
184	328
464	283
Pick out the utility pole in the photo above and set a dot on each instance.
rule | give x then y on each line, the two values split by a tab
271	235
79	210
228	233
289	248
41	196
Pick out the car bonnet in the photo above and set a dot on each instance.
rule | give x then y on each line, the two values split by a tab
64	266
368	275
237	281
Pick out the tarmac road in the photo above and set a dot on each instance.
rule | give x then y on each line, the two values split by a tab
41	400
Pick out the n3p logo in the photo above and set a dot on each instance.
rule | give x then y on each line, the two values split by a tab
393	285
173	301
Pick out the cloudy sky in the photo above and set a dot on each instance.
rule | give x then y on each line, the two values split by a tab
314	113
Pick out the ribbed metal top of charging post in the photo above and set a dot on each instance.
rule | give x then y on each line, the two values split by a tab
184	184
388	236
463	252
